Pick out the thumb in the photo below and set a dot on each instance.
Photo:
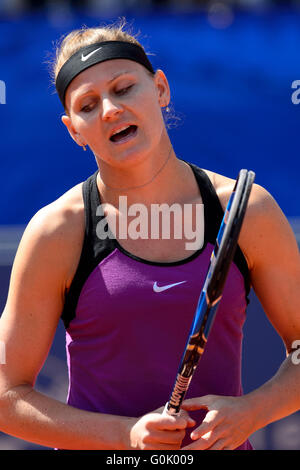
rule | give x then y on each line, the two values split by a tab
197	403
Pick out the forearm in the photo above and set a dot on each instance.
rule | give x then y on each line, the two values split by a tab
32	416
279	397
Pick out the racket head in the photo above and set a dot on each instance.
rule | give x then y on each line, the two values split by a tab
227	238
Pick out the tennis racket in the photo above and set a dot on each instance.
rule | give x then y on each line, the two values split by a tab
212	290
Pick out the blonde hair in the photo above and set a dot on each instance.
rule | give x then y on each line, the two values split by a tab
117	31
85	36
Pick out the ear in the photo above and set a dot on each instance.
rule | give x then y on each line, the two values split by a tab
163	88
72	131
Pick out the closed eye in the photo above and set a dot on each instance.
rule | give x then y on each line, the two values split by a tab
88	108
123	91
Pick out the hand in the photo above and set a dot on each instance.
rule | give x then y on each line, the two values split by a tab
157	431
227	425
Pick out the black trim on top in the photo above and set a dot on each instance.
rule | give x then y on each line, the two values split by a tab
94	250
212	224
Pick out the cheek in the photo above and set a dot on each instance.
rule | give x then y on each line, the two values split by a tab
89	120
88	127
152	113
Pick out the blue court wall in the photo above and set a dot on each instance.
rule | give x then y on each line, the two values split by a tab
230	87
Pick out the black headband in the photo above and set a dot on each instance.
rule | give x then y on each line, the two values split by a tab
94	54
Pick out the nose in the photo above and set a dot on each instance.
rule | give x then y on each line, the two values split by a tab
110	109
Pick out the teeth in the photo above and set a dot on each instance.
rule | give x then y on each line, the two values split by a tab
120	130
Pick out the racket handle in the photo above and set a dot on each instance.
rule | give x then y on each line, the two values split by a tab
170	411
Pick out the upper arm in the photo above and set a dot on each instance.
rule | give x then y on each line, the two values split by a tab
270	248
273	258
45	259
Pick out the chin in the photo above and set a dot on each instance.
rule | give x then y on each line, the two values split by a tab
125	158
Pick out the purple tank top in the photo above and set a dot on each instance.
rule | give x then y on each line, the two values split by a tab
124	340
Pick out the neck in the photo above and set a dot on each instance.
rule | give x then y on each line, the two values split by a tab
140	185
158	179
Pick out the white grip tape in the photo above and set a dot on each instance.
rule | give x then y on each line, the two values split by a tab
170	412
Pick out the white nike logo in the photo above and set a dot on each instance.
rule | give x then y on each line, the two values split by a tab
156	288
86	57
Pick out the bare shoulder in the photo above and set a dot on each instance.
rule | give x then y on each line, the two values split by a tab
57	229
61	213
265	226
260	198
43	268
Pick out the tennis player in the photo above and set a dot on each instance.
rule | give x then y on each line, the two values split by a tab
127	303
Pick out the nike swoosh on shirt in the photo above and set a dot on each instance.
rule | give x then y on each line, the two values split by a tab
157	288
86	57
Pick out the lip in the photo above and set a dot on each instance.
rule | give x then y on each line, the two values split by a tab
125	139
120	126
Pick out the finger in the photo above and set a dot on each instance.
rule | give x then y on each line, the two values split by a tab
190	421
167	422
204	443
200	444
220	444
197	403
165	437
183	413
210	421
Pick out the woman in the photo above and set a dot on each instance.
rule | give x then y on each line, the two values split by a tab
127	302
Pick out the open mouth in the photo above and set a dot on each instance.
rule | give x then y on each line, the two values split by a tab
124	134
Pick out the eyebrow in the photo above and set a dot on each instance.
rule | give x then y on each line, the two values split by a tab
124	72
89	90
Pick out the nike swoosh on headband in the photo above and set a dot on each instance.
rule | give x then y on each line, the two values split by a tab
86	57
157	288
96	53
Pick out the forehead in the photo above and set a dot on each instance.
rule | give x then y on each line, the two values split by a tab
101	74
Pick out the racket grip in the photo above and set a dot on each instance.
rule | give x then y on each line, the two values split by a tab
171	411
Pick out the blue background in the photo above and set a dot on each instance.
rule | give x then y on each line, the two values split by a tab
231	89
